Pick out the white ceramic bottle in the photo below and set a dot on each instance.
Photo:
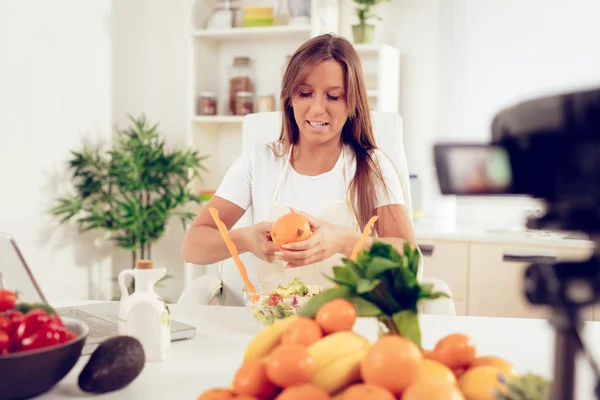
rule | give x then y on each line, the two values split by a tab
143	314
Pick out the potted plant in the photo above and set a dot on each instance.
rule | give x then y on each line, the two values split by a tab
381	283
132	189
364	32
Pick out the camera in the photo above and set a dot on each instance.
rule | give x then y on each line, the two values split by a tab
547	148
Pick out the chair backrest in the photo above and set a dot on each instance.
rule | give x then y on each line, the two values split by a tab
387	128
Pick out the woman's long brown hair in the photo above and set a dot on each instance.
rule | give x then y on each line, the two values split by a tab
357	131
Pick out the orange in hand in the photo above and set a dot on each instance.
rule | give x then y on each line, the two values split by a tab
289	364
391	363
336	315
290	228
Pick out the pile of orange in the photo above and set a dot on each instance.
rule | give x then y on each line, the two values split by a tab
290	228
287	371
393	368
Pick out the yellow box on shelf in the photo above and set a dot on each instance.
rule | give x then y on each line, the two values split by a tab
258	12
258	16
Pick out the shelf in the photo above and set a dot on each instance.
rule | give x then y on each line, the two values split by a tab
263	32
366	49
218	119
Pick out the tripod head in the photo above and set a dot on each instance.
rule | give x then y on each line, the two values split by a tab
547	148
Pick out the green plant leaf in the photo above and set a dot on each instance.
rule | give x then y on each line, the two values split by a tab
407	323
366	285
313	305
378	265
365	308
353	268
343	275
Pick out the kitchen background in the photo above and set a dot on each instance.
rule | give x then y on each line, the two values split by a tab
71	71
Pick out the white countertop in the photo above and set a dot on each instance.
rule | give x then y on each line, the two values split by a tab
498	234
212	357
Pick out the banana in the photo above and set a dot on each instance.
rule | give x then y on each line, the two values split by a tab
267	339
341	373
334	346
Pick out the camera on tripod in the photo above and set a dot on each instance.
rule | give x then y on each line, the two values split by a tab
547	148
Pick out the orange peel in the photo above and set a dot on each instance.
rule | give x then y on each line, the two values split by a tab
366	232
233	251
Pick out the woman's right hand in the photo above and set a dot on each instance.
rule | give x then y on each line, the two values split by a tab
258	241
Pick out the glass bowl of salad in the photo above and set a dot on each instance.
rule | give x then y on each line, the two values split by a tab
279	301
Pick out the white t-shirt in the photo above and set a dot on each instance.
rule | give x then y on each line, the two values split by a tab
252	179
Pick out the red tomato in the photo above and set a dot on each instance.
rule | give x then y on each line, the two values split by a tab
38	330
274	299
7	300
4	342
45	336
5	324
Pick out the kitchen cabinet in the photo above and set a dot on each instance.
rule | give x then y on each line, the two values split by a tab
496	278
448	261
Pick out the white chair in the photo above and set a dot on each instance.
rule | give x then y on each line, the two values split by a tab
226	286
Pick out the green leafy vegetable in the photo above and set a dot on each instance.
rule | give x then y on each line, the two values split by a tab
381	283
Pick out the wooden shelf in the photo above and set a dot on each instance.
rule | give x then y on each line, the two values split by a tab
218	119
254	33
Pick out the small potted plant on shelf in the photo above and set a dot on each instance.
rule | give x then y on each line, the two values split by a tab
364	32
132	189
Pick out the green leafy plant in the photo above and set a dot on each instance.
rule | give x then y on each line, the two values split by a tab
382	283
132	189
365	10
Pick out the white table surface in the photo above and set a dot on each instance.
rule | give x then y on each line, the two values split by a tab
212	357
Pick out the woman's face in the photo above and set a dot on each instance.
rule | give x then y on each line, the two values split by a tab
319	104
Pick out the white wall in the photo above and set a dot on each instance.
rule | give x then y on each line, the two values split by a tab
150	75
55	80
463	60
505	52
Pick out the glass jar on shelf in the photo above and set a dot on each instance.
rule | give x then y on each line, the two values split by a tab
226	16
244	103
299	12
241	79
207	104
266	103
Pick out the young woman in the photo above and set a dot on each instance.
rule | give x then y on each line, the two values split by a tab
325	165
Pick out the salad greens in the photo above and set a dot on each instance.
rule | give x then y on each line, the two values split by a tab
381	283
283	301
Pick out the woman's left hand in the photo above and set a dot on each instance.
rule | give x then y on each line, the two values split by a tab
325	241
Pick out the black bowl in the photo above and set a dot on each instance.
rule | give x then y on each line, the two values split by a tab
29	374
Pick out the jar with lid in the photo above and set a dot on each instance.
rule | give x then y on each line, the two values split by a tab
226	16
244	103
241	79
266	103
207	104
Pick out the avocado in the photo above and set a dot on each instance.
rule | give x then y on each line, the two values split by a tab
114	364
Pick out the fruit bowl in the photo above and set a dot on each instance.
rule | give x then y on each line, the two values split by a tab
31	373
279	302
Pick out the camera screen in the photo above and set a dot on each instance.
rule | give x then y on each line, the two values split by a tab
473	169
